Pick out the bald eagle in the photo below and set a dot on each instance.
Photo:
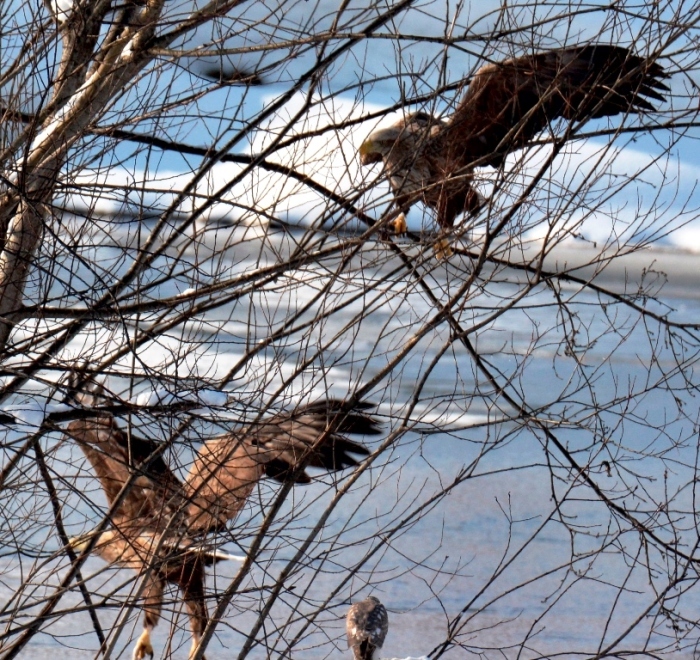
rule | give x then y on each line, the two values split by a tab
366	624
505	106
158	522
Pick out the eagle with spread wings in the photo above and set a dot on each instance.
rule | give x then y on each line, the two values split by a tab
505	106
157	522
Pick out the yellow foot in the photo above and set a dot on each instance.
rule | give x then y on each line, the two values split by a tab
143	646
399	225
193	649
443	250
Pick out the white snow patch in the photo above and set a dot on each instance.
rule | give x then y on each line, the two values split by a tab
61	9
687	238
163	397
212	397
32	412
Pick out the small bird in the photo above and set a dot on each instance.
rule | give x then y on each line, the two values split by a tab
231	76
366	624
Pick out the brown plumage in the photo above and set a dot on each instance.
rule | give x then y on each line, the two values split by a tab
157	521
366	625
505	106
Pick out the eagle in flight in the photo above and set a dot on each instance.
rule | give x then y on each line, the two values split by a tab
366	624
505	106
157	522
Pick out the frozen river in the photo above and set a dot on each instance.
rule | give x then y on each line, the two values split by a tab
472	523
534	491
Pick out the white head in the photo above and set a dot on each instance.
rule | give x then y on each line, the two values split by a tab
398	140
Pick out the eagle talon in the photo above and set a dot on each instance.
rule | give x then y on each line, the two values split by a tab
143	646
193	649
223	475
398	224
443	249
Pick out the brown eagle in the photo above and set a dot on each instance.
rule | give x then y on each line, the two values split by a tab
158	522
366	624
505	106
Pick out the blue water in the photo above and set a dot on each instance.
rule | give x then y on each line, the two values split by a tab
471	522
471	516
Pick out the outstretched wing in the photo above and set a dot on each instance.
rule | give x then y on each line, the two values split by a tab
154	494
228	468
291	438
508	103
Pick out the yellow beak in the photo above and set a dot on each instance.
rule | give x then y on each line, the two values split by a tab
79	543
369	154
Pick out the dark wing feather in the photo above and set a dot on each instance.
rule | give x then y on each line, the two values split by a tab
352	421
227	468
508	103
292	437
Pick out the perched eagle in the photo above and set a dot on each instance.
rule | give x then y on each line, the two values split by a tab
158	521
366	625
505	106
